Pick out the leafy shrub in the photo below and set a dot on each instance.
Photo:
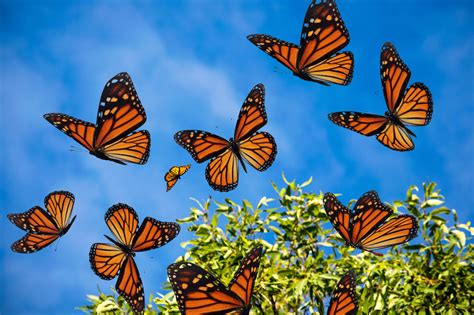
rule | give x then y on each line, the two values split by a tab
304	257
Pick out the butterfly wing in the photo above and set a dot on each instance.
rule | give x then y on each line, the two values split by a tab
323	33
337	69
286	53
222	173
32	242
122	221
153	234
365	124
171	177
120	110
369	214
201	145
106	260
59	205
35	220
81	131
395	231
199	292
134	148
343	299
244	280
396	137
416	106
394	74
252	115
130	286
339	215
259	150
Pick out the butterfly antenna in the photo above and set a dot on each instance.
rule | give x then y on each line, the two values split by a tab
75	149
277	70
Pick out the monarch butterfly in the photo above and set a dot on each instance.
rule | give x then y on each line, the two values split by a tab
44	227
108	260
175	173
315	59
199	292
343	299
367	227
405	107
256	148
111	138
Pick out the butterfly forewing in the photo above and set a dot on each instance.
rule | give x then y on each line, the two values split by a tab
369	214
252	114
153	234
365	124
284	52
81	131
394	74
343	299
244	280
323	33
199	292
201	145
339	215
130	286
120	110
59	204
35	220
122	221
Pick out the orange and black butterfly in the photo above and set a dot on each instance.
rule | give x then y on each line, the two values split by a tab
175	173
108	260
343	299
112	137
44	227
199	292
412	107
257	148
316	58
367	227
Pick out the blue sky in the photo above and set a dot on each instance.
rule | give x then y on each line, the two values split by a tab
192	67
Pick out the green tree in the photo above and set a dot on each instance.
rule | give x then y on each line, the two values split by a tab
304	257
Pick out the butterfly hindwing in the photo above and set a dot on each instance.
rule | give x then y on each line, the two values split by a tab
199	292
33	242
337	69
416	106
106	260
343	299
153	234
396	137
259	150
222	172
134	148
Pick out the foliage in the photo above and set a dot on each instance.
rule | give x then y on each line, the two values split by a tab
304	257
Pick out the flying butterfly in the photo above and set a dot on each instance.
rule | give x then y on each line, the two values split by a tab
199	292
367	227
175	173
112	137
343	299
44	227
412	106
108	260
257	148
316	58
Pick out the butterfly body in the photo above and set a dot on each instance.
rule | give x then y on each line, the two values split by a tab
412	106
44	227
368	227
113	136
317	57
255	147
